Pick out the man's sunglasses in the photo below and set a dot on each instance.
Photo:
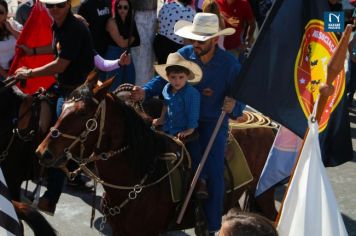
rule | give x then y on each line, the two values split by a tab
2	12
192	41
125	7
57	5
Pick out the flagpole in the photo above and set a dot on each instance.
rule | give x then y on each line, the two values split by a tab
200	167
335	65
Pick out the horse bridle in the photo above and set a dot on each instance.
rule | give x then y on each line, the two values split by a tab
90	126
25	137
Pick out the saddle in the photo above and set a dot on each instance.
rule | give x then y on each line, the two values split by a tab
237	173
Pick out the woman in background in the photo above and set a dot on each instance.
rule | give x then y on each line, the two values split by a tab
166	41
9	31
123	31
210	6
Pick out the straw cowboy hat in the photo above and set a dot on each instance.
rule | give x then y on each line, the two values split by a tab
174	59
53	1
205	26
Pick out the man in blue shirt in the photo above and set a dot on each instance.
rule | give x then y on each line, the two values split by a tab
220	69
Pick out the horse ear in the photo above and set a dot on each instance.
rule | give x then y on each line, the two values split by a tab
92	79
101	90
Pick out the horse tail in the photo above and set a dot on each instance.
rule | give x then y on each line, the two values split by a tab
34	219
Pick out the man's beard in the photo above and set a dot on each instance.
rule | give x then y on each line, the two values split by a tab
203	51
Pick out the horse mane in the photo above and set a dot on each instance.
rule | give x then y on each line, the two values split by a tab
145	144
83	93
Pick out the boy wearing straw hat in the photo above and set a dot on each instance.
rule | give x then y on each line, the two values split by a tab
220	69
180	113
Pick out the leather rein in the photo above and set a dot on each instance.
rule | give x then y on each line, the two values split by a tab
98	121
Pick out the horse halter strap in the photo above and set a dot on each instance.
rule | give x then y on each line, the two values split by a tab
91	125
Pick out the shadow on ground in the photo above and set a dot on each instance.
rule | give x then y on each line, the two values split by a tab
350	225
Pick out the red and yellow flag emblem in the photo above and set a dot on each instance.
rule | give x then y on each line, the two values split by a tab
310	70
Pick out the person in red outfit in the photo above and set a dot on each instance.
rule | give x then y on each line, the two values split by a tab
238	15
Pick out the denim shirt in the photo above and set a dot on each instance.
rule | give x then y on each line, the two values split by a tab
182	109
219	75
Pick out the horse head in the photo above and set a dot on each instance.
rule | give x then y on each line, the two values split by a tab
22	125
96	125
79	126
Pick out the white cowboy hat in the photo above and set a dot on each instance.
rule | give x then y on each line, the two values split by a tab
205	26
175	59
53	1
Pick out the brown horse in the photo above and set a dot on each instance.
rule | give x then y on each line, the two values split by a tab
97	126
256	143
249	136
21	130
17	147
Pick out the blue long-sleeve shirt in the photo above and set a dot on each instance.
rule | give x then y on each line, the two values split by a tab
218	78
182	109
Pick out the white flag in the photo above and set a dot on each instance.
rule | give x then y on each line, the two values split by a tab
310	206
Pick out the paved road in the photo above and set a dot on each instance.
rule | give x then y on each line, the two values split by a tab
73	211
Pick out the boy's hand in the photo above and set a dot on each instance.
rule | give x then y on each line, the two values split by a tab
229	104
157	122
137	94
185	133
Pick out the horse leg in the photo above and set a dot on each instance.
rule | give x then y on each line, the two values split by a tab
13	179
15	190
201	227
266	202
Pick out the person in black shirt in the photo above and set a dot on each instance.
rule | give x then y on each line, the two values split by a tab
96	13
75	55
